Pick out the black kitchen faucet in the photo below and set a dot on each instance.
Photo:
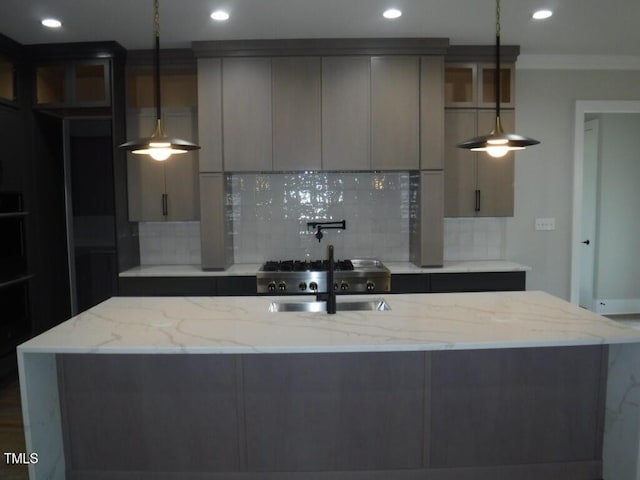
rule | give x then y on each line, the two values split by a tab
330	295
319	226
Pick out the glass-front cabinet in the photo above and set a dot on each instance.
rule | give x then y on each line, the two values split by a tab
75	84
8	90
472	85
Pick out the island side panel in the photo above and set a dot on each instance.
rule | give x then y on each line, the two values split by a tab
517	406
621	453
150	413
335	412
41	414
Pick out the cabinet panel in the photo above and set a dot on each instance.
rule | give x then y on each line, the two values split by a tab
323	412
460	85
487	86
460	170
181	171
210	114
296	113
8	87
395	115
495	175
476	184
431	113
145	176
346	113
516	406
177	178
246	107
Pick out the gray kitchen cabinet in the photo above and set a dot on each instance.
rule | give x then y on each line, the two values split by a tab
476	184
163	190
432	113
395	113
210	114
247	114
296	101
346	113
426	227
216	222
334	412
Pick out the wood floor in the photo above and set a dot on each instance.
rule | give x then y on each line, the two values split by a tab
11	431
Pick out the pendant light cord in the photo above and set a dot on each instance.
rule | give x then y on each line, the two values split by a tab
498	72
156	32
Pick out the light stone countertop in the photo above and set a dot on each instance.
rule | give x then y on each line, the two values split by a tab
247	269
416	322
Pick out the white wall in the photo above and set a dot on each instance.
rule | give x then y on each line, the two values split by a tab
545	103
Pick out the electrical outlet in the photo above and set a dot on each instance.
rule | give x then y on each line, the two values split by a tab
545	223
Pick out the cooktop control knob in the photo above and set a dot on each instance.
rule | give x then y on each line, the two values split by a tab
271	287
302	286
313	286
344	285
282	286
370	286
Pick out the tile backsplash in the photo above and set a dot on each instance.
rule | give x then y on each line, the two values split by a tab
270	213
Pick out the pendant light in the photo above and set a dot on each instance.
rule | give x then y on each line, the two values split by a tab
158	145
498	143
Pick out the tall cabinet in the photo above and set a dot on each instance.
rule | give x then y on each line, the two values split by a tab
476	184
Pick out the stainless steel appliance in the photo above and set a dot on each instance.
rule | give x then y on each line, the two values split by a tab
310	277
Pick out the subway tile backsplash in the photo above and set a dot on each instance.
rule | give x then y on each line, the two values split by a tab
270	212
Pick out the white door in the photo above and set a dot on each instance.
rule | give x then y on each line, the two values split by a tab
589	210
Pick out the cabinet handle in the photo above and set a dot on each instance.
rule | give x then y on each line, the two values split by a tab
477	200
165	206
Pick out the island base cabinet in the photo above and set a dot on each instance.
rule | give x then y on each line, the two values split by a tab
526	413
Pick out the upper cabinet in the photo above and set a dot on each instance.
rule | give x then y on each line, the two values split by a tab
395	113
8	88
472	85
296	105
247	114
346	113
73	84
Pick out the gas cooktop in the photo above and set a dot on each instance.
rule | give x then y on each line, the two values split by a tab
310	276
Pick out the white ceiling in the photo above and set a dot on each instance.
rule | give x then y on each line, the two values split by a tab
578	27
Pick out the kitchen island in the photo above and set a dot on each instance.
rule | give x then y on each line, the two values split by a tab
442	386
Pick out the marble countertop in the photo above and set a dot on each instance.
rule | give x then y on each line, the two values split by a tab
243	269
416	322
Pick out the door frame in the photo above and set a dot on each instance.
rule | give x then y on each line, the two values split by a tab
584	107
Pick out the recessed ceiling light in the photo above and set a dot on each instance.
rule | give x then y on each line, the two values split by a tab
51	23
392	13
220	15
542	14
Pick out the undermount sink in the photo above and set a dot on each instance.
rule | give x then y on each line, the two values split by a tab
377	304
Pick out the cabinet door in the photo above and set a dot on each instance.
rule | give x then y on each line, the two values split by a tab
181	171
460	85
246	114
395	113
487	86
149	180
210	114
460	165
145	176
346	113
431	113
296	113
495	175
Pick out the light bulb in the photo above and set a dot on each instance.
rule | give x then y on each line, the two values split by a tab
160	153
497	151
